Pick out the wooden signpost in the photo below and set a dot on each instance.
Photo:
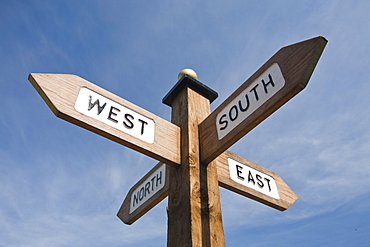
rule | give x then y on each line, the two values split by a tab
192	151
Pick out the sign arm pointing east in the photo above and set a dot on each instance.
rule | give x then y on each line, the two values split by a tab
283	76
253	181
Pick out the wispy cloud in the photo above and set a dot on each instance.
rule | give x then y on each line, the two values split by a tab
62	186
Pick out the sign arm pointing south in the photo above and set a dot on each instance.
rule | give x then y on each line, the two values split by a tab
283	76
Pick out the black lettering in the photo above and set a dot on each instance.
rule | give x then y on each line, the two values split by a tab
223	122
239	171
246	107
136	199
147	186
141	193
269	82
142	125
159	178
268	183
259	181
128	125
100	108
113	113
236	113
250	178
255	92
152	182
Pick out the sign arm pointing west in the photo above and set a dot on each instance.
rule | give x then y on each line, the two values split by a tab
80	102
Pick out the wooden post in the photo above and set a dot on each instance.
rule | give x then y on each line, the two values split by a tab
196	139
194	211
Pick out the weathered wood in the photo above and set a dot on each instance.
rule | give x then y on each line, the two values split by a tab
60	92
129	216
286	196
194	139
194	211
296	63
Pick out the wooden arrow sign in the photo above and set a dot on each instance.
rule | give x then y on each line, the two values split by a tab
82	103
251	180
283	76
145	194
194	211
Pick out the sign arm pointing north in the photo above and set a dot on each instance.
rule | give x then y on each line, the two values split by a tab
283	76
145	194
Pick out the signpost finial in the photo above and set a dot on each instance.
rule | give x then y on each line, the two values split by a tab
188	72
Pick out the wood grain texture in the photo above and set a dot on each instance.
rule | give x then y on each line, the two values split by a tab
296	62
287	196
124	212
194	216
60	92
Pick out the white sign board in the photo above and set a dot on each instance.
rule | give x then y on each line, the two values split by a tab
262	89
253	181
148	188
252	178
118	116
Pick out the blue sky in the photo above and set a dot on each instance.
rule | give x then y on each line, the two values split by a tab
61	185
